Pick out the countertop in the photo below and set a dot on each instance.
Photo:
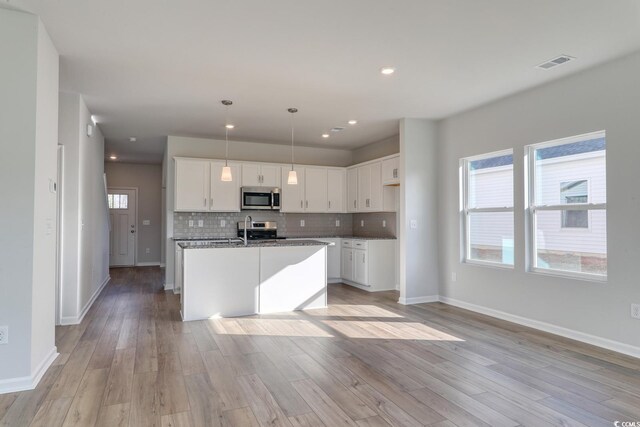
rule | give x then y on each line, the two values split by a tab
252	244
190	239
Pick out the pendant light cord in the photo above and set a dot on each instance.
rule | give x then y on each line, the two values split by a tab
292	159
226	152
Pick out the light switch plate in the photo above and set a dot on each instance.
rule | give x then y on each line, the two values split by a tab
414	224
4	335
635	311
384	223
362	223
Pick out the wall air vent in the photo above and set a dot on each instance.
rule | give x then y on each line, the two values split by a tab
337	129
562	59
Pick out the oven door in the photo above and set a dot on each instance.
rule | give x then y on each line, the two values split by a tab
256	199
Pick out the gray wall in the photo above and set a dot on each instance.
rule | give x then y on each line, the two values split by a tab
148	179
28	134
375	150
606	97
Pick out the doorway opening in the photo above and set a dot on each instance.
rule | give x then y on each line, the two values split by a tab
123	207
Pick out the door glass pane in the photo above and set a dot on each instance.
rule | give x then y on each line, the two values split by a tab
574	249
491	237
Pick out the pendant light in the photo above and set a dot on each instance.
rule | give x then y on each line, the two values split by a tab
226	170
293	176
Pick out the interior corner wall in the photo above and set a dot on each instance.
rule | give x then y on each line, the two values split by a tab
603	98
147	178
28	112
85	250
419	279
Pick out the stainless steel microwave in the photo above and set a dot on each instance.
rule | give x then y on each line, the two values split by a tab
260	198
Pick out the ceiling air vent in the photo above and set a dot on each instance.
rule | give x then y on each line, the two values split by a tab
562	59
337	129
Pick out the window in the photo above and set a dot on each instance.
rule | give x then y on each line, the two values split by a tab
567	206
118	201
487	208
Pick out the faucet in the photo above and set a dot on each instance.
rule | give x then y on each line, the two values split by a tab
246	218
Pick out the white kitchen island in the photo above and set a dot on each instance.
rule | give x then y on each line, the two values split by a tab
228	280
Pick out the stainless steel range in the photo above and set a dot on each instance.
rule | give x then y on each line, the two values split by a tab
259	230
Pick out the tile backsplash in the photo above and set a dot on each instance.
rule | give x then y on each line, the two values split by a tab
289	224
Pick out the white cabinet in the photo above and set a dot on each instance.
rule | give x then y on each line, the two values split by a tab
370	187
347	264
369	264
260	175
315	187
177	277
352	190
192	185
391	171
336	182
224	195
292	197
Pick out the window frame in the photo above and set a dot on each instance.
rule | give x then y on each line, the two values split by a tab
531	208
465	211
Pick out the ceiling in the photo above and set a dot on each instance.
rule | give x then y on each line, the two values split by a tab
151	68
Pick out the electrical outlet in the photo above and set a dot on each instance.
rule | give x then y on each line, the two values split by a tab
190	223
302	223
635	311
223	223
362	223
413	224
454	276
337	223
384	223
4	335
147	251
200	223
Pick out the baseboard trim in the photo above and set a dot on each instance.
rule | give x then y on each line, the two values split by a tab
75	320
148	264
418	300
168	286
605	343
162	265
30	382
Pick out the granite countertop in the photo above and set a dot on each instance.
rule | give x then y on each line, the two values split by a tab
190	239
252	244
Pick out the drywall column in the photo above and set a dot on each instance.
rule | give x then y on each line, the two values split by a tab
28	134
418	234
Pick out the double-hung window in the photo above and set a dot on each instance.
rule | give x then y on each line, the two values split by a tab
487	208
567	206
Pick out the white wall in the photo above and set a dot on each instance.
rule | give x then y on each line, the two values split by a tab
28	133
376	150
603	98
418	197
238	150
85	251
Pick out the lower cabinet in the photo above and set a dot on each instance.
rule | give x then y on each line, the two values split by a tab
369	264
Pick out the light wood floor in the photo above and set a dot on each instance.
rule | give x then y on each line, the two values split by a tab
364	361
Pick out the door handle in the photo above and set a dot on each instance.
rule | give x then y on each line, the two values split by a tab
133	231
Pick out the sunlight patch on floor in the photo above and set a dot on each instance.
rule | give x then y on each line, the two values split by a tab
267	327
353	310
389	330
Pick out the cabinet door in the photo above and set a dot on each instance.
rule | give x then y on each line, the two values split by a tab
270	176
335	190
375	192
347	263
364	188
192	185
360	266
292	197
250	175
315	182
391	171
225	195
177	276
352	190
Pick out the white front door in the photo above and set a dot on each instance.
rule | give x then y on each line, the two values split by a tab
122	217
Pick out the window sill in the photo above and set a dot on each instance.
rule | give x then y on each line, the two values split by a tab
489	264
569	275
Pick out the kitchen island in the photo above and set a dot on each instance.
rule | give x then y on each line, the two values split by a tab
223	279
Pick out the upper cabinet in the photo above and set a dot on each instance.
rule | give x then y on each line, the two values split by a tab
318	190
198	187
292	195
260	175
352	190
315	186
336	190
192	185
370	187
391	171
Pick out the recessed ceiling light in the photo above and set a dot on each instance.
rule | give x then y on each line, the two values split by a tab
113	157
353	122
325	135
229	126
132	139
387	70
